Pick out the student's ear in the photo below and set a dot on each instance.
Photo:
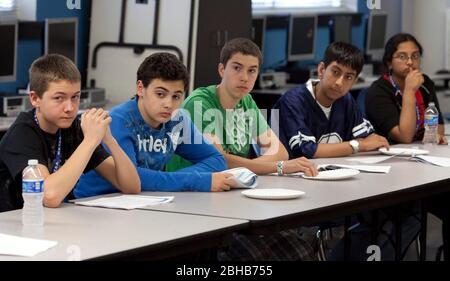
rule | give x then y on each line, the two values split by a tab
35	99
221	69
321	70
139	88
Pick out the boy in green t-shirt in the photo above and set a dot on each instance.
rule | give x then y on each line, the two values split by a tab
229	117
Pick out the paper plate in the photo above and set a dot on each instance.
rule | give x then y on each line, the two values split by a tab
272	193
403	151
338	174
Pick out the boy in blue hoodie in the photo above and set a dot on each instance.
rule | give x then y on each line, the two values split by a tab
151	129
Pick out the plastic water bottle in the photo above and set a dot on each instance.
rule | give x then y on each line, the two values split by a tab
431	124
32	193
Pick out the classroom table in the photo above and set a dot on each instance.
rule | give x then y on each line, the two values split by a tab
407	180
87	233
324	200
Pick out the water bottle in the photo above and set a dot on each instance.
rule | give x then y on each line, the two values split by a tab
431	124
32	193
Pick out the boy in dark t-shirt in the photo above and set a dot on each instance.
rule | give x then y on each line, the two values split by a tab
64	146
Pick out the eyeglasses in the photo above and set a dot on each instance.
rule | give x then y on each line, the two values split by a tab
404	57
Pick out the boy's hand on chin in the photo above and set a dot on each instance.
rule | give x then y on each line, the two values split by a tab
94	124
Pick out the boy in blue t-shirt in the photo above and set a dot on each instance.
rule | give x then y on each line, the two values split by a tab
151	129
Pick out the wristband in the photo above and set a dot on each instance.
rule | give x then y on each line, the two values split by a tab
280	168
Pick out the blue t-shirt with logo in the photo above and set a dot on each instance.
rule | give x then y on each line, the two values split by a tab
149	149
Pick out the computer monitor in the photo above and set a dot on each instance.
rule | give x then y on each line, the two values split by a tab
258	31
341	29
275	47
8	51
302	34
376	35
61	37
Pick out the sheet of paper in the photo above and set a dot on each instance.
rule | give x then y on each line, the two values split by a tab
25	247
127	202
370	159
435	160
367	168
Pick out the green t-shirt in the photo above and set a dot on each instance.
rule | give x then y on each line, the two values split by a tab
236	128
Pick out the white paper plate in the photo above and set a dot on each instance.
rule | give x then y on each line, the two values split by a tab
403	151
338	174
272	193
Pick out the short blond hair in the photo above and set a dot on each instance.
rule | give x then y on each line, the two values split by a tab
51	68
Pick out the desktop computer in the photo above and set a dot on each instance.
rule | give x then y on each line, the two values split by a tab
273	79
13	104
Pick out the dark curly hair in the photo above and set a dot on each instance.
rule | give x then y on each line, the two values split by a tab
344	54
164	66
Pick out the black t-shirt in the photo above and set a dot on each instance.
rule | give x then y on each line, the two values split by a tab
382	105
25	140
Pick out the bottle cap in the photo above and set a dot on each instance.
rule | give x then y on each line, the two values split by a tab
32	162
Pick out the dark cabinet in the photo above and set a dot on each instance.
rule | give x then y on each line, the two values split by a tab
218	22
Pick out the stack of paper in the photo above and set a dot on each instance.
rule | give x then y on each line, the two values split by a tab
25	247
127	202
243	177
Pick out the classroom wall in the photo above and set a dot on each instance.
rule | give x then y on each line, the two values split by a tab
394	10
116	67
173	23
426	21
58	9
173	30
26	9
275	45
28	50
